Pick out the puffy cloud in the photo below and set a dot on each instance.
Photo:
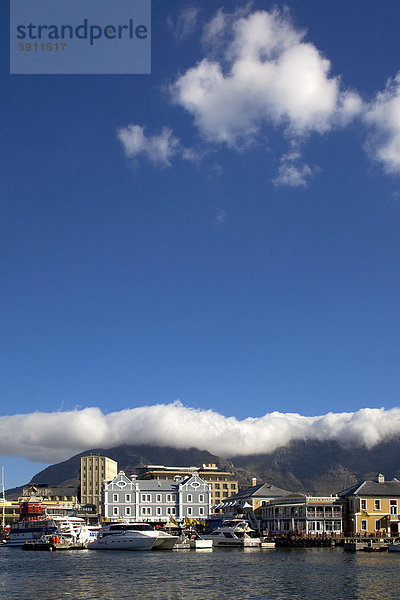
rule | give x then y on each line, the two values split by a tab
383	118
159	149
266	74
50	437
291	172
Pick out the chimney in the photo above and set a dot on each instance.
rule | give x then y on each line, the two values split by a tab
380	478
254	481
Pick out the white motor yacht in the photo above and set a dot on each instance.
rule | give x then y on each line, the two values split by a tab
125	536
235	532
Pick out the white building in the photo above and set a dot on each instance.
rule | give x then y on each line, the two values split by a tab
301	514
156	501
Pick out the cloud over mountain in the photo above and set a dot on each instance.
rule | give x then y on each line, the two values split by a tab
51	437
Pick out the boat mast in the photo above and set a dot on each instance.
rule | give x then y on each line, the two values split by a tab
3	520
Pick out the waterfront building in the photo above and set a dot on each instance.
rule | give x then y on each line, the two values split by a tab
372	507
156	501
11	511
67	494
62	501
302	514
250	499
94	470
223	483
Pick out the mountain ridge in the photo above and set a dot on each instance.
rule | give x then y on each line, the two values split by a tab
317	468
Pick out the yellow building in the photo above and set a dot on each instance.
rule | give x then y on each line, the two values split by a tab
372	507
251	500
223	483
94	470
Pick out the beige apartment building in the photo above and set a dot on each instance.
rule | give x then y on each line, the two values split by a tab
94	470
223	483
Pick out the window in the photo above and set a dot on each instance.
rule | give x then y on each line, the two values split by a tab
189	511
115	498
201	511
377	525
127	497
146	498
128	511
363	525
377	505
201	497
189	498
363	505
158	498
115	510
146	510
217	486
170	510
393	507
158	511
169	497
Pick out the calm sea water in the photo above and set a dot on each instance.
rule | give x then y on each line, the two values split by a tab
312	574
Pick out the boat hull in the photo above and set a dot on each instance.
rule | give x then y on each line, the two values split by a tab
123	542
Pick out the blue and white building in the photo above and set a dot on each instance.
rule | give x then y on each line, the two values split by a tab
156	501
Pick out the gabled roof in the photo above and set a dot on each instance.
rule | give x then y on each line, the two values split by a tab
374	489
263	490
157	484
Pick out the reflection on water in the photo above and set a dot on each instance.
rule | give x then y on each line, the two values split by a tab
318	574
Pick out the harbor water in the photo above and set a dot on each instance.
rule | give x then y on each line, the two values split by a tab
312	574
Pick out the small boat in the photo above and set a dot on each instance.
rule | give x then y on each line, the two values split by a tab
197	542
267	544
375	547
236	533
394	546
200	544
125	536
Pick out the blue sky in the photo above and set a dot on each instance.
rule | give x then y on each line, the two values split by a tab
235	247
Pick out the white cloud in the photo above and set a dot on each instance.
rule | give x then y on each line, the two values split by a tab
292	172
186	23
51	437
158	148
266	75
383	118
